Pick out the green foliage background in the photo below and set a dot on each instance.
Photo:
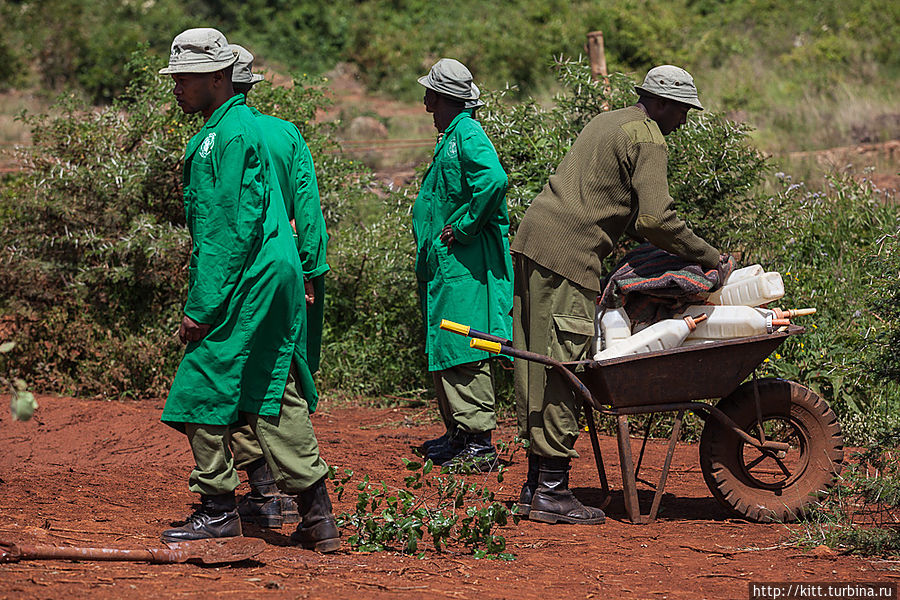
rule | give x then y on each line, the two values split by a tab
93	234
788	66
94	244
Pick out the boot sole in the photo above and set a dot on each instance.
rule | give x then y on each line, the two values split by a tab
177	540
547	517
267	522
324	546
272	522
523	511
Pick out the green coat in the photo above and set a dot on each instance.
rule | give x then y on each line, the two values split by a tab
244	278
471	281
297	176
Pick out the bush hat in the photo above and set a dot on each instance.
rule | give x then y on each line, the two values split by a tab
199	50
243	67
672	83
451	78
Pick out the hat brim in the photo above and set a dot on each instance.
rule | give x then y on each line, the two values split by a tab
692	103
198	67
470	102
254	79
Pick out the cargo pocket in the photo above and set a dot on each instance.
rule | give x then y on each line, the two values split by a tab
571	337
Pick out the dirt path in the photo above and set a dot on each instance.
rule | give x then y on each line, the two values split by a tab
108	473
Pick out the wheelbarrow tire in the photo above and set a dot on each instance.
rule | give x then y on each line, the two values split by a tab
763	487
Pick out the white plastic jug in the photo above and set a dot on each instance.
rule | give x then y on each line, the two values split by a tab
614	326
750	291
744	273
725	322
663	335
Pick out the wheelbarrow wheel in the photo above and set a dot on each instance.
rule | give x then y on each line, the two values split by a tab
766	485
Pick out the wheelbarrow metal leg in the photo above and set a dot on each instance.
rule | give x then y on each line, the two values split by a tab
657	497
629	487
598	455
637	468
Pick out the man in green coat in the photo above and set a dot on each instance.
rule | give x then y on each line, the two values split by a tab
245	311
463	265
611	182
293	165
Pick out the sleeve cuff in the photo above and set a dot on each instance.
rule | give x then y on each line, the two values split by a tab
461	236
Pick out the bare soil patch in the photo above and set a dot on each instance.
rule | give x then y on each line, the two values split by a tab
93	473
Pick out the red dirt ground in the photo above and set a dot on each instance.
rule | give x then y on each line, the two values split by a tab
94	473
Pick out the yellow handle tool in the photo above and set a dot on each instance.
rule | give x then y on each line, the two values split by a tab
455	327
485	345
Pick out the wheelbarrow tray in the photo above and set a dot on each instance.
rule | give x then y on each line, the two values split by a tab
702	371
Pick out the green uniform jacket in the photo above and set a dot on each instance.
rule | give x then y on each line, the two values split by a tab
471	281
297	176
244	278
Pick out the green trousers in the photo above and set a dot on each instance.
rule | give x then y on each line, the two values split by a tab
287	442
555	317
465	395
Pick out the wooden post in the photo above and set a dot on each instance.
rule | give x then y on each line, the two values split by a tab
597	55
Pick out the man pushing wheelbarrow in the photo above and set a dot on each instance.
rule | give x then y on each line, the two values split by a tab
611	182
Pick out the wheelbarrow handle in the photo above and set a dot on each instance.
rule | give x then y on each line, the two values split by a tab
486	345
467	331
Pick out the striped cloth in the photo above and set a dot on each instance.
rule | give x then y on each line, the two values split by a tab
653	284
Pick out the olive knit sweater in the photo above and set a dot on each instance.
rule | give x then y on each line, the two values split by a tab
612	180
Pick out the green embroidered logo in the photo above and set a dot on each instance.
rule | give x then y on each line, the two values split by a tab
207	145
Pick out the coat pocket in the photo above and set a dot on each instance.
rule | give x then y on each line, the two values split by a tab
461	260
571	338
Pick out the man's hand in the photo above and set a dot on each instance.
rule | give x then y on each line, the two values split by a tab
447	237
310	292
724	268
191	331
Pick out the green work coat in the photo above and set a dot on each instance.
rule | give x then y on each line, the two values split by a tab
297	176
245	278
471	281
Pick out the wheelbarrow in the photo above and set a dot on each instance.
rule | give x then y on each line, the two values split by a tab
768	446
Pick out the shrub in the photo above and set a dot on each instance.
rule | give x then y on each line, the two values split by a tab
438	506
821	243
94	243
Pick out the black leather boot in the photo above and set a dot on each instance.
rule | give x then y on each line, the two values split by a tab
443	453
265	505
530	485
217	517
317	530
428	445
553	501
477	454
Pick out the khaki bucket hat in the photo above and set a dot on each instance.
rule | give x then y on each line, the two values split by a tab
450	77
199	50
243	68
672	83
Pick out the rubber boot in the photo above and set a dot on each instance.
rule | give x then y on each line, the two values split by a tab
477	454
553	501
530	485
217	517
317	530
265	505
444	453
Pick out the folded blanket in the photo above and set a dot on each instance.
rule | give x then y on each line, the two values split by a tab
653	284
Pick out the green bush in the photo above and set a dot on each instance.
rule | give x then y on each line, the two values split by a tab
439	506
94	244
821	242
374	342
